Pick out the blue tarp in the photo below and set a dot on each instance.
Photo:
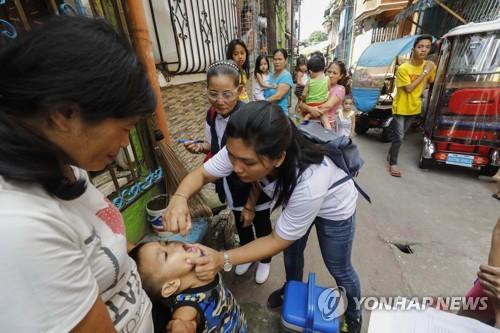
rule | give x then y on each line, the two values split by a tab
382	54
365	98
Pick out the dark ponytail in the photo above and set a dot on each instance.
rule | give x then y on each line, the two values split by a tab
270	132
70	61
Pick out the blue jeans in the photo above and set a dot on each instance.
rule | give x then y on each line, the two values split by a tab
399	126
335	241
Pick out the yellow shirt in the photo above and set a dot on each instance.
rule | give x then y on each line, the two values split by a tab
408	104
244	94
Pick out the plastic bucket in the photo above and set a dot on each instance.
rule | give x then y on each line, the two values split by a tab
155	208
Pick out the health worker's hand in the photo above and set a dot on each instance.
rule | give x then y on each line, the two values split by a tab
194	148
208	265
176	218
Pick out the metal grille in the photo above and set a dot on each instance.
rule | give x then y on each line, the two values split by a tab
199	29
252	30
133	171
472	11
383	34
479	11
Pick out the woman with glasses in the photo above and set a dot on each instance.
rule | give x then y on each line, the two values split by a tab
282	79
250	206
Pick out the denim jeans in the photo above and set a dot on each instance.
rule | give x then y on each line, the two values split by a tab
399	126
335	241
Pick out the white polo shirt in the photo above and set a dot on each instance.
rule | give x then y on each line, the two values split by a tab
310	198
220	129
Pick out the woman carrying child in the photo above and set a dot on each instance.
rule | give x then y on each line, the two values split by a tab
237	51
282	78
345	123
223	89
316	91
336	73
261	78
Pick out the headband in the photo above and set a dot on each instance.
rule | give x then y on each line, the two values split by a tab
225	63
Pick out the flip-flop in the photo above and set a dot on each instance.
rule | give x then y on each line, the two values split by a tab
496	196
394	172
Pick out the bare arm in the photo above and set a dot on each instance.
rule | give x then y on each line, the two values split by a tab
353	122
176	218
248	213
263	247
184	320
305	92
489	275
197	148
96	320
281	91
332	100
429	65
298	79
313	110
263	83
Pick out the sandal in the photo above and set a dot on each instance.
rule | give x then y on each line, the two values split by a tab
496	196
394	172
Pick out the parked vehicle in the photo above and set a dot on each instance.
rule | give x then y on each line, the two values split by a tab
462	122
373	85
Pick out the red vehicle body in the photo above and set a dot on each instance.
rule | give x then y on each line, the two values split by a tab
462	121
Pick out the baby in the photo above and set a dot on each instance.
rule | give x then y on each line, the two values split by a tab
316	90
167	276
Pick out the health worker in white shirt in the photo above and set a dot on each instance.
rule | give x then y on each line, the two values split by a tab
263	145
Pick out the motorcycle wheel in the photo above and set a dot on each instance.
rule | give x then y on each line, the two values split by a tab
360	129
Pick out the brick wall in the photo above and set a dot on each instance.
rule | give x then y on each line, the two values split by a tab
186	106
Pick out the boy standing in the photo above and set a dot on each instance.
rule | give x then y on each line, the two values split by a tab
411	80
208	306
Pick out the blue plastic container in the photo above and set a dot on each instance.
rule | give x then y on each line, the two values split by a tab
301	312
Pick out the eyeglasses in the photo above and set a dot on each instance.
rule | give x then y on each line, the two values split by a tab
226	95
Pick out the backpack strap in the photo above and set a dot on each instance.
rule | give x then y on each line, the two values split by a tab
360	190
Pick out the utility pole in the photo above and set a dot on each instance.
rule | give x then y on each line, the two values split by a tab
271	26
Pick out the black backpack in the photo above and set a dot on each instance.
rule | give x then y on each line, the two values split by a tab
340	149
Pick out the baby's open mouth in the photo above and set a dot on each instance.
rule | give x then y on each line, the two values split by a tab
192	249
